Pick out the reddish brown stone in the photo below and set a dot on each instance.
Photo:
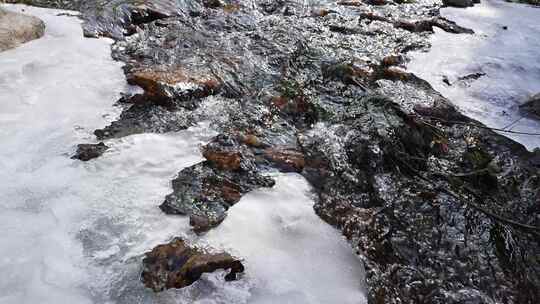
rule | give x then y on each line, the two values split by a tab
295	105
391	60
280	102
251	140
177	265
149	80
394	73
286	159
231	8
228	190
223	160
415	26
160	83
350	3
320	12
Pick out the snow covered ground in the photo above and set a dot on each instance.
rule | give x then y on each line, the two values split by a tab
75	232
505	47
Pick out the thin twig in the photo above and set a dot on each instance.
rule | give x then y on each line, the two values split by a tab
479	126
513	123
533	229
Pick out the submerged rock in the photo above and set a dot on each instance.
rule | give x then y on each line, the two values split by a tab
16	29
86	152
532	106
177	265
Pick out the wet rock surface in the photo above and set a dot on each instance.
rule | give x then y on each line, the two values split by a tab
439	209
173	87
532	106
177	265
205	193
16	29
458	3
86	152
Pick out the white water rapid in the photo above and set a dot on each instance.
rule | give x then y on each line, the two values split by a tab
74	232
505	47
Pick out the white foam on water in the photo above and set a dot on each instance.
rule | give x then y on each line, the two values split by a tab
510	58
294	256
75	232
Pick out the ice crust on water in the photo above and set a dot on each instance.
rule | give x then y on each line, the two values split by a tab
510	58
75	232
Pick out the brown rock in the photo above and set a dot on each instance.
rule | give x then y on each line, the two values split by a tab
415	26
350	3
223	160
279	102
164	85
392	60
251	140
350	73
321	12
231	8
177	265
202	224
394	73
148	79
16	29
226	189
287	160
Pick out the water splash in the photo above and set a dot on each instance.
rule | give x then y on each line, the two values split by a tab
75	232
503	56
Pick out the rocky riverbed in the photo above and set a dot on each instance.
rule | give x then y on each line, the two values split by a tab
439	208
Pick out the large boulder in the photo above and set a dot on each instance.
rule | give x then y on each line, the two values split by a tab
177	265
16	29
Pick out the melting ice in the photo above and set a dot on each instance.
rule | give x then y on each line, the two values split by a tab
75	232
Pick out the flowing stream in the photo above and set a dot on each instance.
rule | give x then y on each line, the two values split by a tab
504	53
75	232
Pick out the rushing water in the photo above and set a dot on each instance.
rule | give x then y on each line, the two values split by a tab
75	232
506	48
